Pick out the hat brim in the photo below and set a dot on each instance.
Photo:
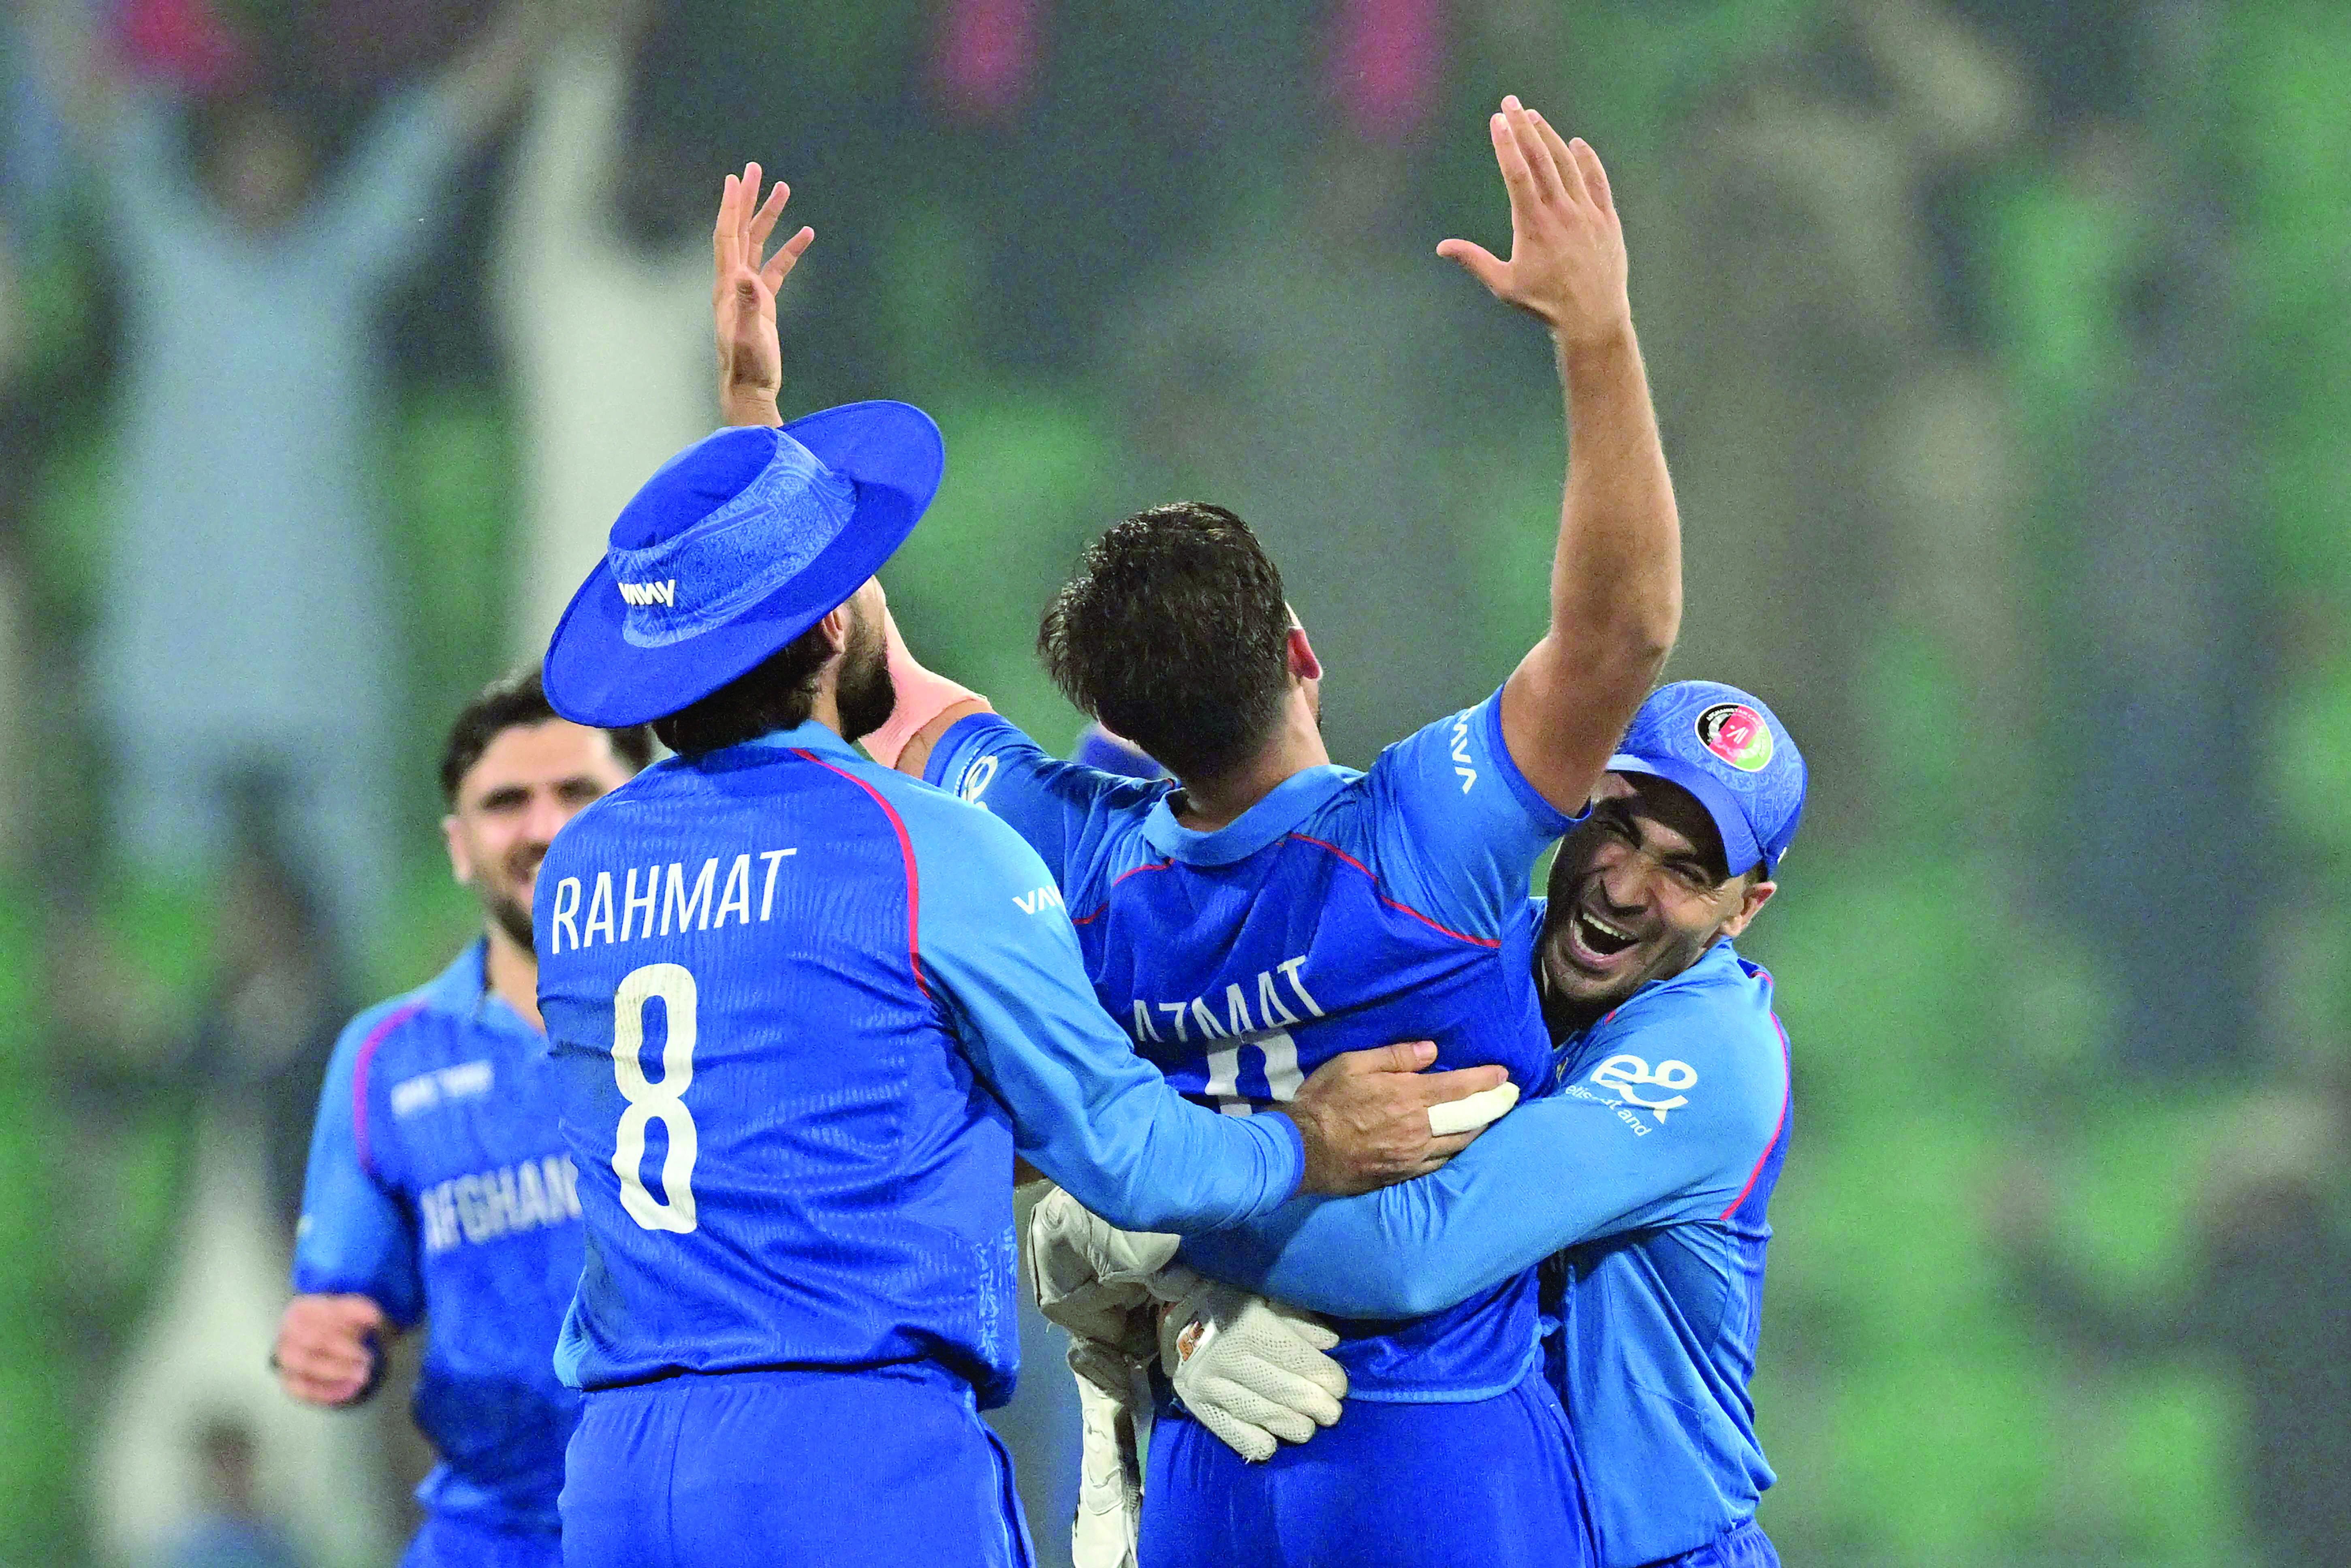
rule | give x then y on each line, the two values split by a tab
1741	852
891	453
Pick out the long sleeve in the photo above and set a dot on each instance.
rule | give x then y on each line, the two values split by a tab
1668	1123
355	1238
996	944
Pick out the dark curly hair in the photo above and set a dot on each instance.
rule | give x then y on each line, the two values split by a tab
1174	631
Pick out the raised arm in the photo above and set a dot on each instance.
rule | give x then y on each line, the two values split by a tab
751	377
1615	579
743	283
487	79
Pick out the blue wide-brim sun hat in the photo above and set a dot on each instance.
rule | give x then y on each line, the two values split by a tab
734	548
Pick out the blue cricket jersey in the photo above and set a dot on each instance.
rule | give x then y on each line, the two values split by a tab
439	1188
1646	1182
1343	910
805	1009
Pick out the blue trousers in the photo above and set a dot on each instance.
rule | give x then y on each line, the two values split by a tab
1743	1545
883	1468
1492	1483
446	1542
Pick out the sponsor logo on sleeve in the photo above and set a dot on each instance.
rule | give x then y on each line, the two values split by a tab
1462	765
976	779
1631	1087
1737	734
1038	898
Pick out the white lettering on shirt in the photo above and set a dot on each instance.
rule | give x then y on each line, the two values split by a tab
1197	1017
706	904
483	1205
466	1080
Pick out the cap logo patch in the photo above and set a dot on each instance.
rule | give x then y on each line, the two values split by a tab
1737	734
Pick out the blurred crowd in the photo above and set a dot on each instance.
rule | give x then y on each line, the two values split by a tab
333	334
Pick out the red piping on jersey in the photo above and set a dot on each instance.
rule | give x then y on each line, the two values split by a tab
905	853
1777	1127
1392	904
1154	866
390	1021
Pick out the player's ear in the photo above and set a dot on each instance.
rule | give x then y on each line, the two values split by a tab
461	864
1303	664
1757	895
835	627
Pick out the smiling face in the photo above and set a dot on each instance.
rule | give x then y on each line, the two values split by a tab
1637	894
528	782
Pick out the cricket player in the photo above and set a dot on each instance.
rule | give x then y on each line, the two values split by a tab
1644	1184
438	1183
805	1009
1266	908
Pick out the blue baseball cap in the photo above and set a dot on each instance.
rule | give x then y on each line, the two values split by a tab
1728	750
734	547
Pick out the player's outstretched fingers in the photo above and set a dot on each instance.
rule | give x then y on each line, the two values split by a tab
763	222
1548	183
1477	261
1517	179
1595	175
722	233
1571	170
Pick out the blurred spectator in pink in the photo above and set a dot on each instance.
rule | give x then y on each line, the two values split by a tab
247	626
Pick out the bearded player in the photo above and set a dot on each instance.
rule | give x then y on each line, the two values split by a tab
438	1182
1646	1185
1267	909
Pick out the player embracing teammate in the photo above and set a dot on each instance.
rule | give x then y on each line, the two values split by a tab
1265	909
804	1011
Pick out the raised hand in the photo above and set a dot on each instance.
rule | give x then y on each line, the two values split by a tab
1567	249
743	296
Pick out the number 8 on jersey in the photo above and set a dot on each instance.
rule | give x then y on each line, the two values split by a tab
649	1101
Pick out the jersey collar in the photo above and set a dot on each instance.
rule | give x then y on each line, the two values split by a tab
463	990
1719	963
1283	807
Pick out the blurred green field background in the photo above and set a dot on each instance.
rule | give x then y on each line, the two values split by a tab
1950	1021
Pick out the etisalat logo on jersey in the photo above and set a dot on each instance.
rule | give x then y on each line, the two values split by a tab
1628	1085
1737	734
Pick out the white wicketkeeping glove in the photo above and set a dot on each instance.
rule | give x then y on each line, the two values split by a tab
1114	1410
1251	1370
1089	1277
